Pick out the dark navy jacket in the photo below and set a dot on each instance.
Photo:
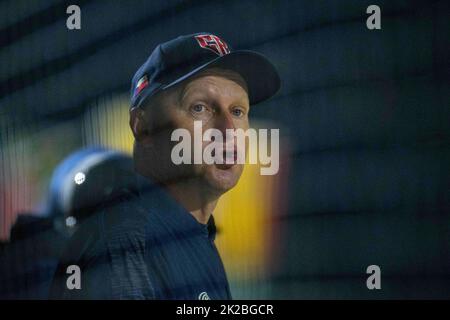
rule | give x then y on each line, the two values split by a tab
144	246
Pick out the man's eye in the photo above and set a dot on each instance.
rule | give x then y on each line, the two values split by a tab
200	112
198	108
237	112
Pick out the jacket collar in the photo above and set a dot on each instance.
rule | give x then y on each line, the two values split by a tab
158	201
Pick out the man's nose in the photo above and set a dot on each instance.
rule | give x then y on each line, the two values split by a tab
224	121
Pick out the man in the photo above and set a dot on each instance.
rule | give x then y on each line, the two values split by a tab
158	242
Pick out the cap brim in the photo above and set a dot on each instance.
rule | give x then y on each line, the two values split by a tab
258	72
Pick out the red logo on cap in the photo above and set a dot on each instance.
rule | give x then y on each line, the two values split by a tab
214	43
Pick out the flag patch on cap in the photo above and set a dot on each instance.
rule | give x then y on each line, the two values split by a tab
141	85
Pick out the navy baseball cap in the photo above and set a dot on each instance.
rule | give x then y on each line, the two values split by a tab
176	60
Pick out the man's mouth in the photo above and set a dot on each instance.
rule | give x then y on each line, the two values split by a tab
229	158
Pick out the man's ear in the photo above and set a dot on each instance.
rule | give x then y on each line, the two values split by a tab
140	125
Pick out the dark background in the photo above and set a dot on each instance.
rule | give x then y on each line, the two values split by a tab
366	114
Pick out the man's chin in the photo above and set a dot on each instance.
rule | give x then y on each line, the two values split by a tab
224	177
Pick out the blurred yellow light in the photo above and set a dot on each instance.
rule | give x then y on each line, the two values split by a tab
244	218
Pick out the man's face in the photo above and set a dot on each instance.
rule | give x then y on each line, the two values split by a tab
218	102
